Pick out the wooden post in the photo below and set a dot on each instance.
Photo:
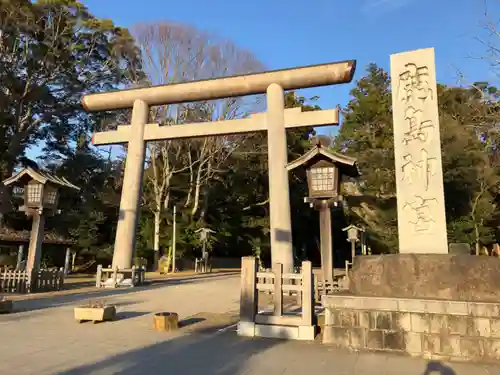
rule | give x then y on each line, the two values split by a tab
115	276
205	257
73	259
133	275
61	278
20	255
98	276
35	245
353	251
32	280
4	284
67	262
248	298
363	243
325	230
298	283
307	294
278	289
316	288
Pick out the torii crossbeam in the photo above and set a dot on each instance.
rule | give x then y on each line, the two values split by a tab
274	121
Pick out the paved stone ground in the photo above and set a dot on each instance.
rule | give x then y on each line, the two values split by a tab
44	339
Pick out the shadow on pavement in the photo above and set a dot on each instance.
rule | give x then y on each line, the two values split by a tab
130	314
190	321
34	304
438	368
221	354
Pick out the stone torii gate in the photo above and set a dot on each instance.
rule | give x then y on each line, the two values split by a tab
274	121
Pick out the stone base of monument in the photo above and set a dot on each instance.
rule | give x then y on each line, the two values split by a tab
433	329
442	307
434	276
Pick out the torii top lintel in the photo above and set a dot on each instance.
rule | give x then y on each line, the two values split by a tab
225	87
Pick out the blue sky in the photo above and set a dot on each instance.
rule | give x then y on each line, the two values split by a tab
293	33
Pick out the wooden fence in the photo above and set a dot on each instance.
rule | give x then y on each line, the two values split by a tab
12	281
321	287
276	324
324	287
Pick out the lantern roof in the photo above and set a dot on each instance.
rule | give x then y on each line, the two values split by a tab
352	226
39	176
346	164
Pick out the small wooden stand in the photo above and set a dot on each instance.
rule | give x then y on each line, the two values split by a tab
165	321
94	314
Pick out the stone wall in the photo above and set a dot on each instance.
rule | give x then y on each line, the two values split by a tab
433	329
427	276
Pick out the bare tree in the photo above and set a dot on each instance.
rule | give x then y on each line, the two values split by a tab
174	53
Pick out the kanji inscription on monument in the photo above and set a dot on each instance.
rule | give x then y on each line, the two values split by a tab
417	152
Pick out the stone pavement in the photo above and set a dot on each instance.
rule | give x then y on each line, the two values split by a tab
44	339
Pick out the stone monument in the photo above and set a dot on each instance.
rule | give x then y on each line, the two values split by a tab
417	152
425	301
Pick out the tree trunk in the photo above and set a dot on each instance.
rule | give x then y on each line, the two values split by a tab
476	231
196	198
204	209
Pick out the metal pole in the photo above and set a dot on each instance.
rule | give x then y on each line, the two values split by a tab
279	194
174	239
132	189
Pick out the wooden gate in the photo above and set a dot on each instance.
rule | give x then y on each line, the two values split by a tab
298	325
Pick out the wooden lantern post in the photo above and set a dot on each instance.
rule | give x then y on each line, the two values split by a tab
41	196
324	174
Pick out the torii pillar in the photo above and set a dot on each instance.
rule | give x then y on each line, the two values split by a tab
275	122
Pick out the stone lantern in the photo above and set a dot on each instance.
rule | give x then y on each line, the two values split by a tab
355	234
324	175
41	196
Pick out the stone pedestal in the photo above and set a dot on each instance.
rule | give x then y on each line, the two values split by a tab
432	329
433	276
